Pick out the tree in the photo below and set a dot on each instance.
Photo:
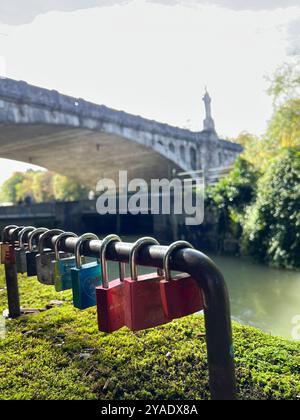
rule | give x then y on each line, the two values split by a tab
285	83
272	223
42	186
230	198
25	188
9	188
284	127
255	148
43	190
66	189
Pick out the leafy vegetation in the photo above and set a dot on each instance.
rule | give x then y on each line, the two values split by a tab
41	186
272	228
283	131
229	199
259	202
60	354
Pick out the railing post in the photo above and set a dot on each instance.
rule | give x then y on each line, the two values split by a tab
11	275
220	353
220	350
11	278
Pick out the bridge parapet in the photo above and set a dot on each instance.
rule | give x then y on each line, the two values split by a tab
46	128
23	93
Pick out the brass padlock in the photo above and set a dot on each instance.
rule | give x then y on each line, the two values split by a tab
45	258
33	251
20	252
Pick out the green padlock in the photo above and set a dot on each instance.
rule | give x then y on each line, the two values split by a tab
33	251
85	277
20	252
44	258
62	266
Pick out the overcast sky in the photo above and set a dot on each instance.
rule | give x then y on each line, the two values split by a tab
148	58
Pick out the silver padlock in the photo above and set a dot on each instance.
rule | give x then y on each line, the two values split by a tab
44	258
33	251
14	237
20	252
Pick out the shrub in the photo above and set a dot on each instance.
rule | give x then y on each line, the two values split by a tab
272	228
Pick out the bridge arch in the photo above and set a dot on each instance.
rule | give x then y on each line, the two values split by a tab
172	148
193	158
87	141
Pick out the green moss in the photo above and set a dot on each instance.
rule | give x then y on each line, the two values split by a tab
60	354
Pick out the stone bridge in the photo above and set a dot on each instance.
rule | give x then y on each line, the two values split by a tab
88	142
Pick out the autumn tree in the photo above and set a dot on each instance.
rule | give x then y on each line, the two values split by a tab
66	189
41	186
9	188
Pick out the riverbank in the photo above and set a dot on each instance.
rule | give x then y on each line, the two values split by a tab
59	354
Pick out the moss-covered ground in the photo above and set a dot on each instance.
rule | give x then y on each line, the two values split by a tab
60	354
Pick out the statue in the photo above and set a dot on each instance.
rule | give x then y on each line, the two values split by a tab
209	124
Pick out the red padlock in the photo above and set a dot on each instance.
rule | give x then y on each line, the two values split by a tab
7	250
110	296
7	254
181	295
143	304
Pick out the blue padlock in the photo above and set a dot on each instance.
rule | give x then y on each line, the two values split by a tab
62	266
85	277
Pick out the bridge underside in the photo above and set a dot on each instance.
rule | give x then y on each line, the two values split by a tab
81	154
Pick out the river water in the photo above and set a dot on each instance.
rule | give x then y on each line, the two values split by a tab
263	297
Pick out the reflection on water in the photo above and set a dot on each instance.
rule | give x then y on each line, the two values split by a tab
260	296
263	297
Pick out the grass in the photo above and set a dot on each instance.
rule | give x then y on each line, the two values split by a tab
60	354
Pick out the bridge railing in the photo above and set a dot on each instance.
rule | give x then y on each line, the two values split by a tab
207	276
24	93
24	211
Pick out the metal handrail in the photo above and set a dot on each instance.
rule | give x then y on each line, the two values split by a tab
212	284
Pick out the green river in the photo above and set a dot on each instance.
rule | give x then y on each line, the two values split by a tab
263	297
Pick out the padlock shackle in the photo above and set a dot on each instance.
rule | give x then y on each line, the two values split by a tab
140	243
104	244
14	237
33	234
47	235
6	233
63	235
22	234
80	241
171	249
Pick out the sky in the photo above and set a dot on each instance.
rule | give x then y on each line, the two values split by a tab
154	57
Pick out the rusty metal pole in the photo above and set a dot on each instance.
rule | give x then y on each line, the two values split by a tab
13	297
11	275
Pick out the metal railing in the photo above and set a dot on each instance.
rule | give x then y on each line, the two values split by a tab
207	276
